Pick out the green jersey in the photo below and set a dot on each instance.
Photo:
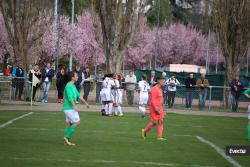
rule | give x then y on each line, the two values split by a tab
70	93
246	91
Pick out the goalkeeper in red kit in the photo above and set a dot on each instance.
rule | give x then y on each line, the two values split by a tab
156	110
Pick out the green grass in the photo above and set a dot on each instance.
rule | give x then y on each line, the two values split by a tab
36	140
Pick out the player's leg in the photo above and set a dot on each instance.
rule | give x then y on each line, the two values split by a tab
110	107
119	102
160	129
151	124
72	121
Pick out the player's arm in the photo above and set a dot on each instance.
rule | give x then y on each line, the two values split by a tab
246	93
84	101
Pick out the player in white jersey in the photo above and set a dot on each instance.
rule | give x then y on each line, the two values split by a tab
144	89
117	95
105	94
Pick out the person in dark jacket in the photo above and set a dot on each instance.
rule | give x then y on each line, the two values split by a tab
35	82
78	82
19	78
60	84
86	80
236	88
190	87
47	75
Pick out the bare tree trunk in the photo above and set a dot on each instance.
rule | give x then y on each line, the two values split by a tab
231	22
24	15
119	20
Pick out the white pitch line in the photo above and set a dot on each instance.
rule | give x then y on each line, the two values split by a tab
103	161
219	151
12	120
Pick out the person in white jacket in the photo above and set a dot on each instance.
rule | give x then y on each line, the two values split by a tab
172	82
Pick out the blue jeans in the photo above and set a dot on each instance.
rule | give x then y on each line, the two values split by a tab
46	86
235	101
189	98
202	99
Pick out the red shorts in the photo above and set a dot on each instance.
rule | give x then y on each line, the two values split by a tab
154	116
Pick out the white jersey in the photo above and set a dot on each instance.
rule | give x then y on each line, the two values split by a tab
116	93
105	94
143	88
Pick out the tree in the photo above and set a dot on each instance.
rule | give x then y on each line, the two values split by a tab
20	18
78	39
119	20
231	22
161	8
5	47
178	44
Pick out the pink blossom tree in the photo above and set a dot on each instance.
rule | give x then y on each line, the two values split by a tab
78	39
177	44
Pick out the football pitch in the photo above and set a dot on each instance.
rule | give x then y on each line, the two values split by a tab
36	140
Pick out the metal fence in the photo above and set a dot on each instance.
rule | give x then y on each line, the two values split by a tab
14	88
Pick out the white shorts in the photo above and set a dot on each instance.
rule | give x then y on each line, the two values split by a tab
72	116
143	99
105	95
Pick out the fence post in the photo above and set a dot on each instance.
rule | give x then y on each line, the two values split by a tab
210	96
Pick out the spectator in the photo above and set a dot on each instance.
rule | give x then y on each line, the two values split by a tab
190	87
60	84
236	88
8	70
79	80
172	82
35	82
152	79
165	89
47	75
202	84
98	80
19	81
130	80
86	80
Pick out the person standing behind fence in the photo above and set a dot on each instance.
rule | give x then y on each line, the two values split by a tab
98	81
190	87
86	84
60	84
78	83
47	75
165	89
35	82
19	81
130	80
152	79
236	88
202	83
172	82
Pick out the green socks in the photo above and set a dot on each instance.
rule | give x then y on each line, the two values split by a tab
248	132
69	131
